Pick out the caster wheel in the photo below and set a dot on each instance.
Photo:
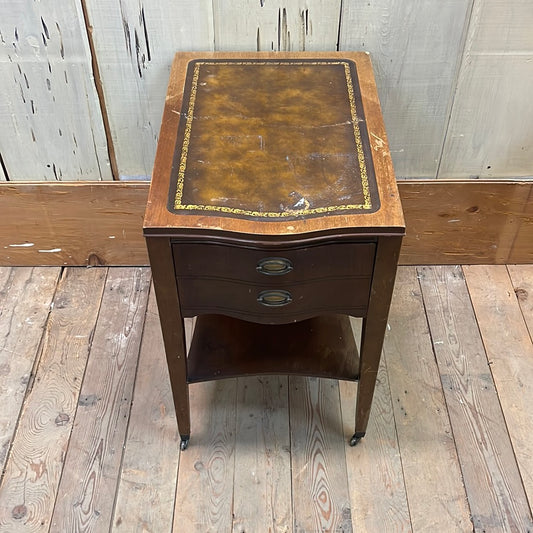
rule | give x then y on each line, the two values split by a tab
356	439
184	442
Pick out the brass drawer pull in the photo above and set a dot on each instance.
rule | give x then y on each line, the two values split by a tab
274	298
274	266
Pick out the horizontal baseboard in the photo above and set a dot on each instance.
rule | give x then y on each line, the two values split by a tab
100	223
467	222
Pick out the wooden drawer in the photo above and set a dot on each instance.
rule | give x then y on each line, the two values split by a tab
268	305
276	268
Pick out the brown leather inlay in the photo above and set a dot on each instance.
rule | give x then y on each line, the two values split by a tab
272	139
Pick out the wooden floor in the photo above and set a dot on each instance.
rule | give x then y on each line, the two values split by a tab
88	437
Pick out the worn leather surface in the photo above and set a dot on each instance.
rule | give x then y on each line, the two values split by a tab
272	139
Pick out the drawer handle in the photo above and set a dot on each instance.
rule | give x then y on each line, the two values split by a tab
274	298
274	266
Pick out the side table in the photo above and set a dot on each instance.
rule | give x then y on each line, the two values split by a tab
273	216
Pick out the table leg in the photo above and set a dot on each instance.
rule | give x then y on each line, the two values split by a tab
166	291
374	326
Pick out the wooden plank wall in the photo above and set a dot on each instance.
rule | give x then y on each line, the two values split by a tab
454	77
493	95
416	51
134	43
276	25
52	127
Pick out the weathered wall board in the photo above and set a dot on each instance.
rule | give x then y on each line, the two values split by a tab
416	50
281	25
449	222
454	77
490	133
134	44
50	114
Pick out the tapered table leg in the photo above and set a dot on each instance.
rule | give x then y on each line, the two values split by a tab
374	326
161	261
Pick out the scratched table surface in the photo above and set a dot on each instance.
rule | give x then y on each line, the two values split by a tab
273	138
273	144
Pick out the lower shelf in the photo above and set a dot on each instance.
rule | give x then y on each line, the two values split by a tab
224	347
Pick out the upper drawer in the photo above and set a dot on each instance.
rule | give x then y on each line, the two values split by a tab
324	261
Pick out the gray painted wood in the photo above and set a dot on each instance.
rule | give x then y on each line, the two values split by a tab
454	77
415	49
490	133
135	43
51	120
268	25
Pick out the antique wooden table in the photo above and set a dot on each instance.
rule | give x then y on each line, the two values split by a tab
273	215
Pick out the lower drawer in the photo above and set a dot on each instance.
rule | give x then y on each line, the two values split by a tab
270	305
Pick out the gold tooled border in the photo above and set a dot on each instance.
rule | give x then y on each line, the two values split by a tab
269	214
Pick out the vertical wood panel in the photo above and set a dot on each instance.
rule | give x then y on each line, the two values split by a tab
51	121
269	25
415	49
135	42
490	133
52	124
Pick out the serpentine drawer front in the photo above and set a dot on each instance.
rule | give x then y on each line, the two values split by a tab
283	265
273	216
274	287
274	306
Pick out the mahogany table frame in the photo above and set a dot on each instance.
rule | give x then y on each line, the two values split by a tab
163	229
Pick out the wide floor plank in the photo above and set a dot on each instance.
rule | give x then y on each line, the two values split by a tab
435	491
510	352
206	471
522	280
262	479
25	297
35	464
87	490
321	501
375	476
147	485
492	480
